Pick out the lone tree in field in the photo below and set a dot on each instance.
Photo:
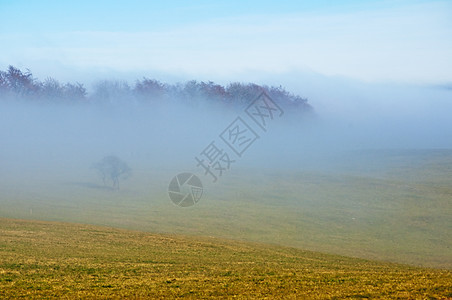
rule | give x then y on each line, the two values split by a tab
111	168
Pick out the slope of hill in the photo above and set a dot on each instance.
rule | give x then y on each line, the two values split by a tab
54	260
383	206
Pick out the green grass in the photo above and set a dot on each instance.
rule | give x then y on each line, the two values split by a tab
62	260
393	206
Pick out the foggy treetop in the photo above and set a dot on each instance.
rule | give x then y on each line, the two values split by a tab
17	84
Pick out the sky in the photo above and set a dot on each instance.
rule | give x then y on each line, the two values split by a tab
370	41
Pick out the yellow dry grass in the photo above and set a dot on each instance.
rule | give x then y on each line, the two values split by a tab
62	260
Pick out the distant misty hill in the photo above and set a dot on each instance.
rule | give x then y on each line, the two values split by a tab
17	84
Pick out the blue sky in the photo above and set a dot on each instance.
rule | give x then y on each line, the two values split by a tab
402	41
51	16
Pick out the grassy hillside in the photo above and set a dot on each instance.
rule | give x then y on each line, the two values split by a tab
384	206
57	260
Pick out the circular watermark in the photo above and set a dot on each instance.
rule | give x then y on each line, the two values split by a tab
185	189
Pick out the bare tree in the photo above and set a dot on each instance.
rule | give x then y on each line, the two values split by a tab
111	168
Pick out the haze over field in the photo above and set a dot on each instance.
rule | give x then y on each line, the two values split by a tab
170	133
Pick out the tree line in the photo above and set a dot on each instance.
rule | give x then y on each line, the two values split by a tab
18	84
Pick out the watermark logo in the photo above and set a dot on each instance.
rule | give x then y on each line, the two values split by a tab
263	110
239	136
186	189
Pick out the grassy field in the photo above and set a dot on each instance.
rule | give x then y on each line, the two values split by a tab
393	207
57	260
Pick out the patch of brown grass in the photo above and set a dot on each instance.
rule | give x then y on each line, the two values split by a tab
57	260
